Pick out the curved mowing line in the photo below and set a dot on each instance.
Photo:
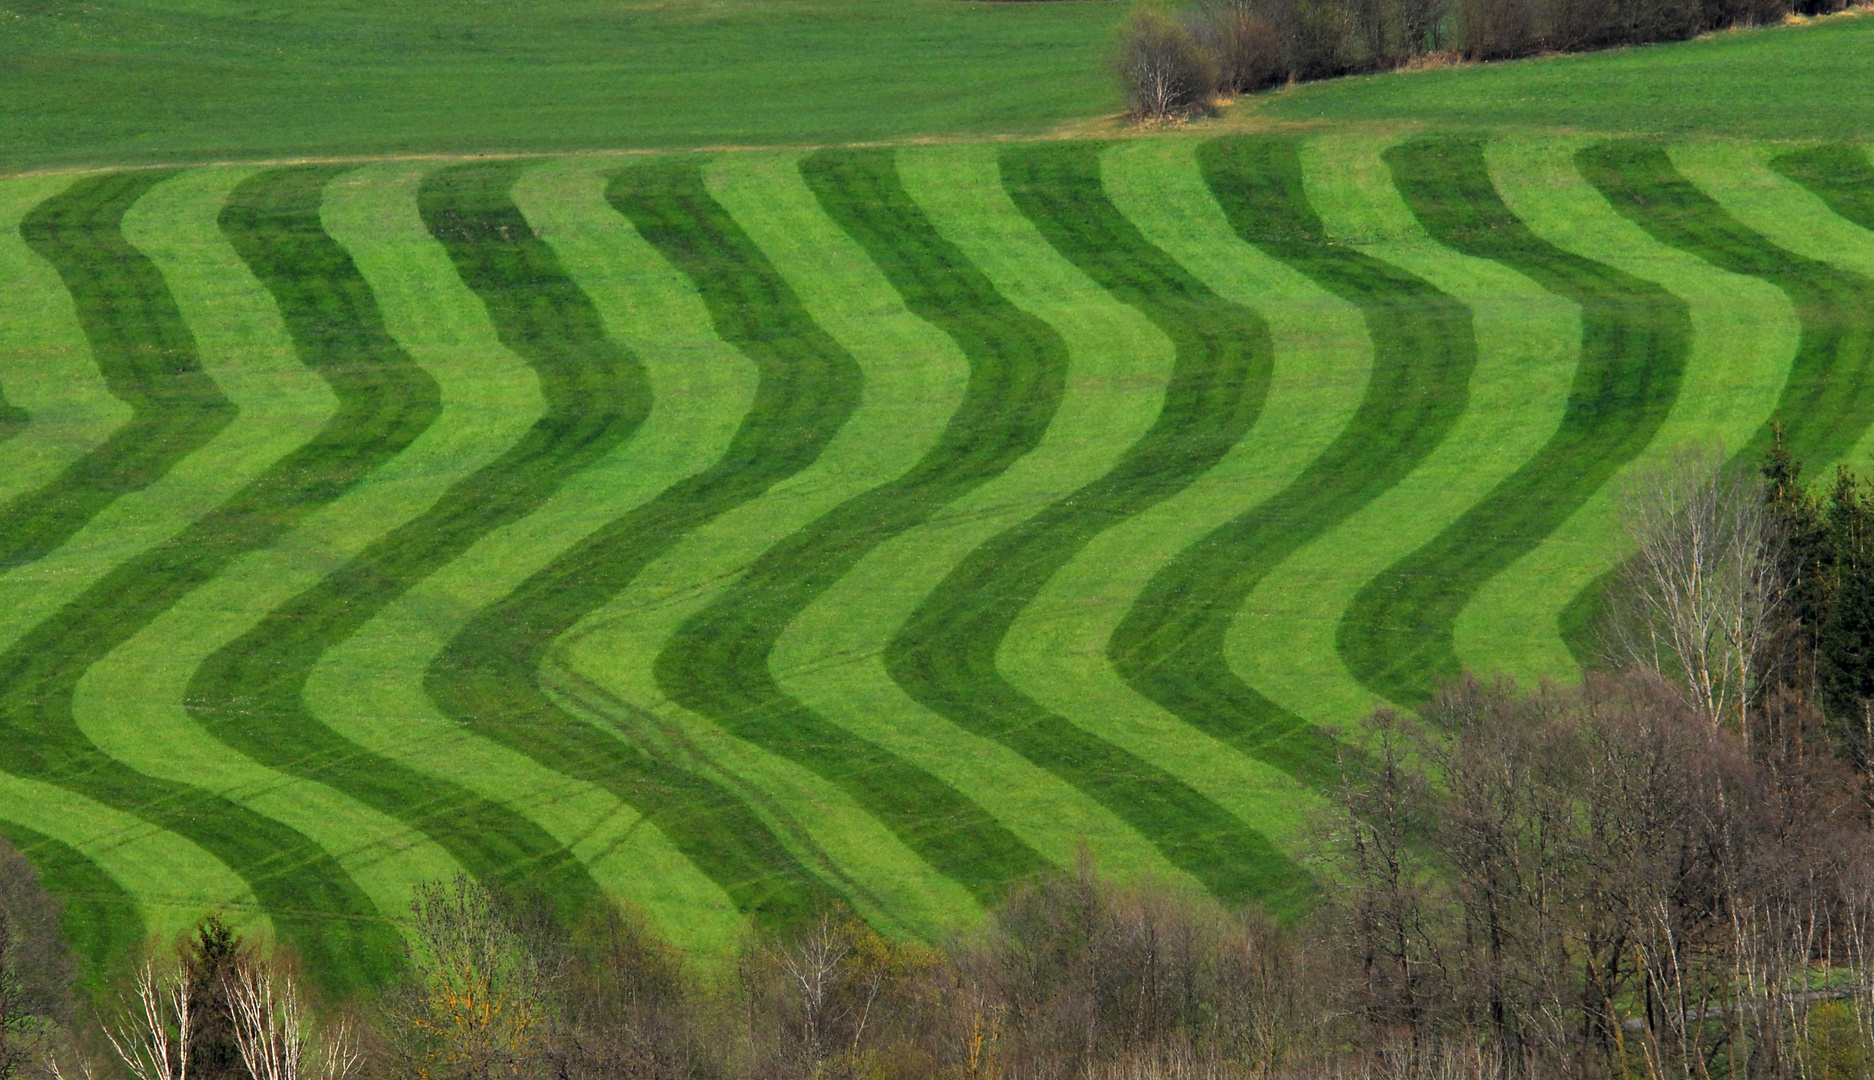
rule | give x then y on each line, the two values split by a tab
1397	637
489	677
1171	645
385	401
100	920
1743	335
370	686
1840	174
250	693
1825	405
1828	400
717	662
944	656
45	361
141	345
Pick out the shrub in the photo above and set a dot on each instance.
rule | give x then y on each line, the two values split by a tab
1162	70
1244	45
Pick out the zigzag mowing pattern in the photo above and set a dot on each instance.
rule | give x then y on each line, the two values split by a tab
986	471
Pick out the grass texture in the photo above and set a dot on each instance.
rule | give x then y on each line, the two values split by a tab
200	80
141	345
384	402
1828	401
1171	645
1398	635
594	398
489	676
738	534
945	655
717	663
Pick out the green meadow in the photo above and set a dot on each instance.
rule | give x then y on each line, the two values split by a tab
734	533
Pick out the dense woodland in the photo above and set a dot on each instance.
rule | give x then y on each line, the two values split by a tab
1223	47
1666	871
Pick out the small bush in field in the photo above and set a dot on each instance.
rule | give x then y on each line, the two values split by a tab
1163	71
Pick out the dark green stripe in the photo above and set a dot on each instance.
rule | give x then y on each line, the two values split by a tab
1827	402
717	663
490	676
384	402
100	921
1170	646
140	344
13	419
945	654
1397	635
250	693
1840	175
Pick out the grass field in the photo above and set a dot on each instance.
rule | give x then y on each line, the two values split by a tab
738	532
733	533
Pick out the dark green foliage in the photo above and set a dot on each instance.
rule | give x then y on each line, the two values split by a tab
98	918
1170	646
210	958
1827	400
1846	664
717	663
385	401
1806	566
249	692
1396	636
489	678
13	419
141	346
944	656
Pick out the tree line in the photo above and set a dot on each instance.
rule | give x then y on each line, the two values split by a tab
1665	871
1172	67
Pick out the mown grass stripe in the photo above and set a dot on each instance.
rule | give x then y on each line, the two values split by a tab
914	378
45	361
1282	643
717	663
1828	401
1745	180
1635	336
131	702
1743	335
141	345
1056	649
99	918
1838	173
370	686
489	677
313	902
250	693
1171	645
830	657
945	654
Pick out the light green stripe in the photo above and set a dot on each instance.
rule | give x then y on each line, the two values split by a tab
280	404
371	686
130	704
45	362
1528	343
173	880
914	380
829	658
1744	335
1056	650
1737	174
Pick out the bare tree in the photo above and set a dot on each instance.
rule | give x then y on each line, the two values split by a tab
1162	70
272	1029
154	1034
1697	599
